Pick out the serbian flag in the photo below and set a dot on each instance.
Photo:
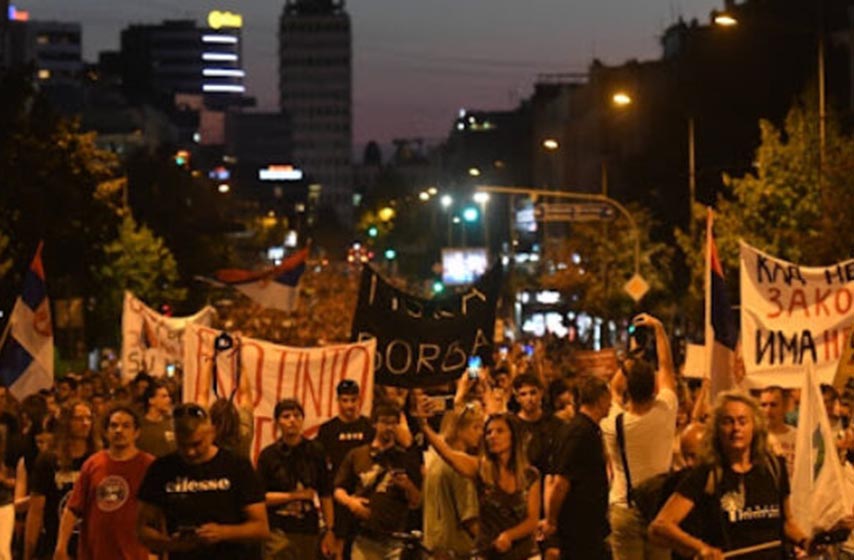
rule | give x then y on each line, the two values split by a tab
26	356
276	288
818	498
721	330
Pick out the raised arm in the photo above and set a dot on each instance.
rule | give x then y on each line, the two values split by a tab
666	370
461	462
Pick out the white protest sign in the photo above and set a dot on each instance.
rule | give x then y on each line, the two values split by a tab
793	314
150	340
275	372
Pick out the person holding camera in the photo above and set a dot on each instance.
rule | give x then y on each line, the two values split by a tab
648	426
379	483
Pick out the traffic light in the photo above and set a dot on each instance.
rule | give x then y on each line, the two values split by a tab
373	231
438	287
390	254
182	158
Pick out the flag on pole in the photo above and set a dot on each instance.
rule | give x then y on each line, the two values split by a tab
818	501
721	331
276	288
26	349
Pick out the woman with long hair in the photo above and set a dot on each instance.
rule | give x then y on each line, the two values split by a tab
54	474
508	488
740	489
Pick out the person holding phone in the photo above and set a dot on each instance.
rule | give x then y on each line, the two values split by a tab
201	502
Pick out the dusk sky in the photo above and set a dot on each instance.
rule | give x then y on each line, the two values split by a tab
417	63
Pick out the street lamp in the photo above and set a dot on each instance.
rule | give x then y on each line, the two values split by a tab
446	201
482	198
723	19
474	172
621	99
551	144
424	196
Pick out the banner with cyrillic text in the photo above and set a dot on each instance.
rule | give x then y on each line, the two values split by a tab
792	314
423	342
276	372
152	341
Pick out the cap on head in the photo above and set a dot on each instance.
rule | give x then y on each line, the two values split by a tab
347	387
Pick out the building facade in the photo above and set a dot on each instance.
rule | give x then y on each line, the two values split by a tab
315	90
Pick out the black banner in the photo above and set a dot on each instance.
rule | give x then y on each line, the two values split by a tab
423	342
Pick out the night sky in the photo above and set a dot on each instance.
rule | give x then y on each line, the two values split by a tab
417	63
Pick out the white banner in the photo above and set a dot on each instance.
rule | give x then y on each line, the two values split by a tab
276	372
151	341
792	314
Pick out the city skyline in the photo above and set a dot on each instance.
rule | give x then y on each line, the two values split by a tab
481	54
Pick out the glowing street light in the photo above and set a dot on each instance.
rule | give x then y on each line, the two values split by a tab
480	197
621	99
471	214
446	200
223	188
424	196
724	19
432	191
474	172
551	144
386	214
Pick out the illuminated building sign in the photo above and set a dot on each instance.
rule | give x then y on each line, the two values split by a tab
17	15
218	19
280	173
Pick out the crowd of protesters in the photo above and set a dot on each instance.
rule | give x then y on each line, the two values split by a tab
523	460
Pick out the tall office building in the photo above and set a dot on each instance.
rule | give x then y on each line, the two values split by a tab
177	57
315	90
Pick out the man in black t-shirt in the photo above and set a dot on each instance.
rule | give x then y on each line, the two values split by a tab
577	499
338	436
539	428
292	471
379	483
210	500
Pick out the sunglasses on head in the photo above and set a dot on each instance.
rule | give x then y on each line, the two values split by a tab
189	410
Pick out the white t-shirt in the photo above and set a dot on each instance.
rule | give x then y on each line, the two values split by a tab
649	442
784	445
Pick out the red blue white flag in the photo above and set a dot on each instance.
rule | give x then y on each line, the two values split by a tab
26	356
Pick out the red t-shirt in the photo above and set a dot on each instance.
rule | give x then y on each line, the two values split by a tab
104	497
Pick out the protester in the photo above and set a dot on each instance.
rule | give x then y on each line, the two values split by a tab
10	451
339	435
156	434
201	502
648	426
577	498
508	488
294	471
450	512
781	438
743	490
54	474
105	495
538	427
379	482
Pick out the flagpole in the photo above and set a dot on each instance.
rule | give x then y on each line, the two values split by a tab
709	331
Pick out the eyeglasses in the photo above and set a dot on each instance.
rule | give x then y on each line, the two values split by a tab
193	410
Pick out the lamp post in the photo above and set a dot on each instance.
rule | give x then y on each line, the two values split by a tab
725	19
446	201
482	198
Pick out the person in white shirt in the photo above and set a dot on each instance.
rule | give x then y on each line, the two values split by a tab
649	426
781	437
